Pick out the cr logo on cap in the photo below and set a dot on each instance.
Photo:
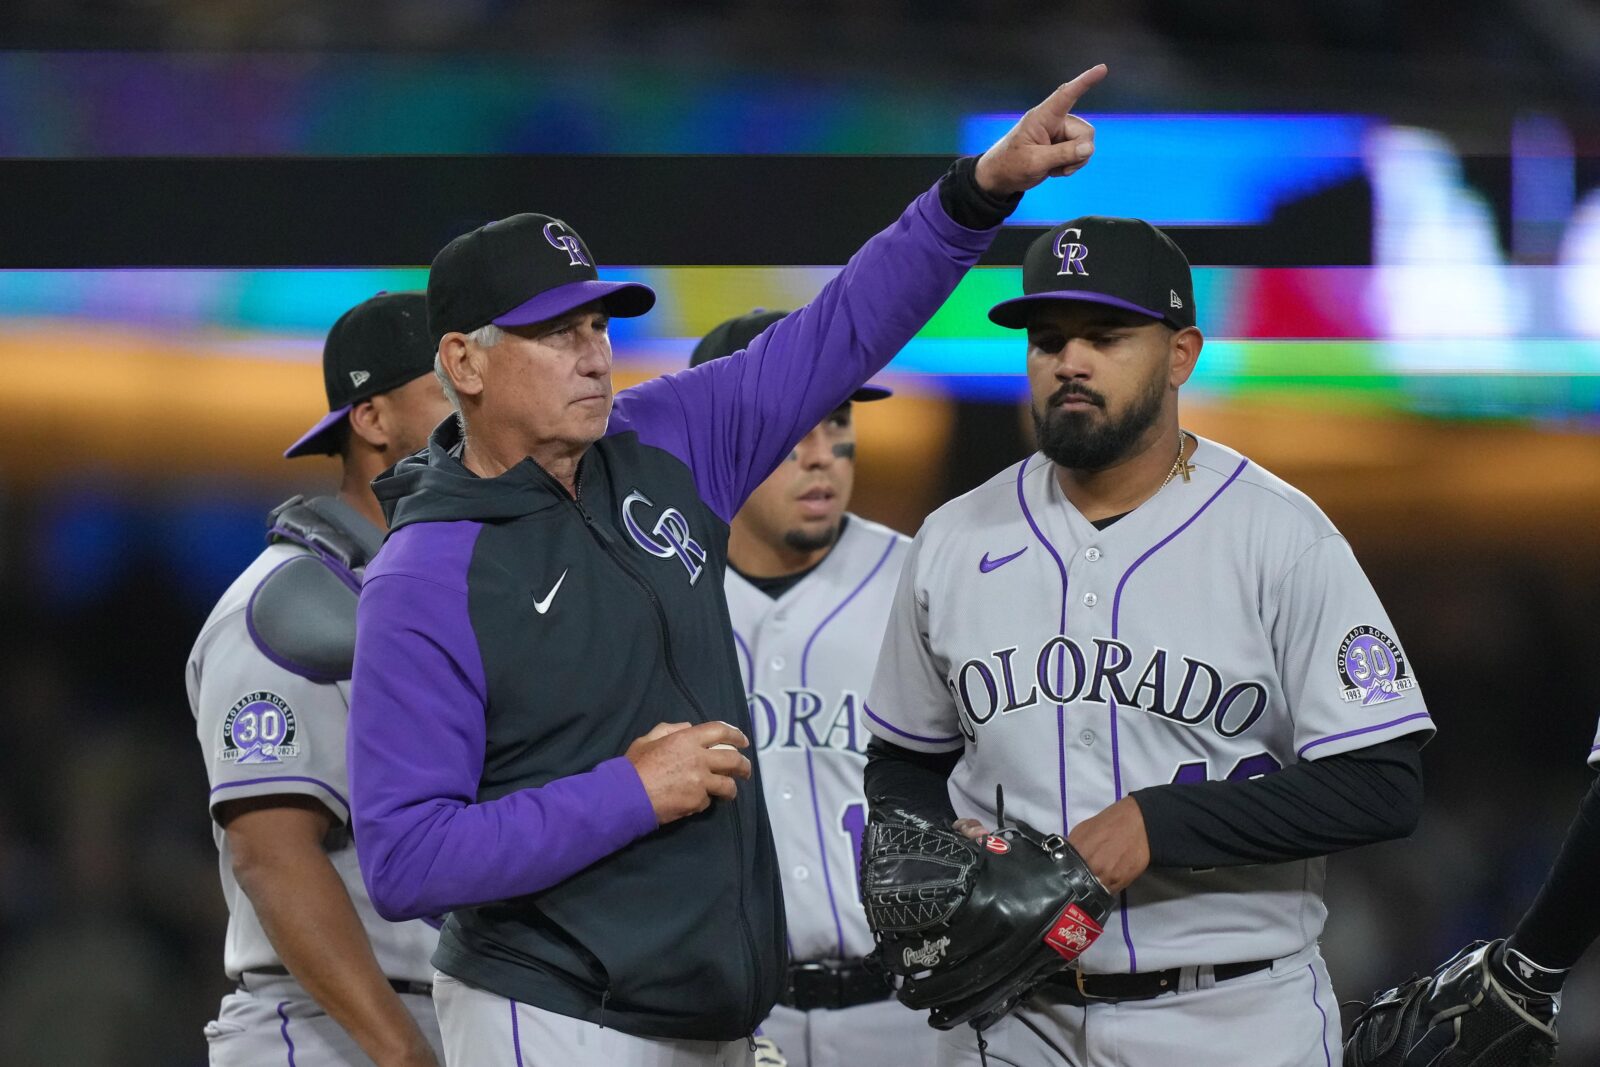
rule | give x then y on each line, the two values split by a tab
1071	253
568	243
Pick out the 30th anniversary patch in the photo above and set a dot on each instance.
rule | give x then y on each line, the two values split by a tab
259	729
1372	667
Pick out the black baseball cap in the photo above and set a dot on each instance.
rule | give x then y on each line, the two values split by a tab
1123	263
521	270
736	334
378	345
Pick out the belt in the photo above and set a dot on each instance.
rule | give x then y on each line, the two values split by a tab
1076	988
833	984
399	985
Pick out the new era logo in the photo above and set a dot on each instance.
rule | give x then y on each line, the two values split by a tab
1176	302
358	378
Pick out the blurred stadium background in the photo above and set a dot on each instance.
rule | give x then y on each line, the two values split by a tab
1395	219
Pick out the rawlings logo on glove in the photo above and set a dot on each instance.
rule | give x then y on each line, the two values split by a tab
968	927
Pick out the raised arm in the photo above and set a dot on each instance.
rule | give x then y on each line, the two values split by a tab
733	420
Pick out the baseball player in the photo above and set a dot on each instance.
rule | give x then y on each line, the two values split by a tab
1496	1002
1167	655
322	979
809	587
547	717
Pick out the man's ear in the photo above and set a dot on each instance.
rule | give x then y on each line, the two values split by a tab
463	363
1186	345
366	422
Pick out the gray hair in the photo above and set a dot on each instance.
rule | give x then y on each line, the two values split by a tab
484	337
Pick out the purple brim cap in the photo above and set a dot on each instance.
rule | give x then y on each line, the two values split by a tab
312	442
1013	313
622	299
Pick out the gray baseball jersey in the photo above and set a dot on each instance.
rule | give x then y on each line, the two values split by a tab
266	730
1222	630
807	658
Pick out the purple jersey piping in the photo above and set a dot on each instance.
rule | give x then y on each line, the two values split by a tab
1327	1057
1061	709
1365	730
749	660
822	849
811	773
285	778
891	727
256	639
1116	606
284	1030
516	1035
873	573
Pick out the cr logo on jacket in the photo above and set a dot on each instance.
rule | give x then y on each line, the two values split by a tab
667	538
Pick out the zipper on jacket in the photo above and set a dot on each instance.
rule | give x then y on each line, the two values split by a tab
608	544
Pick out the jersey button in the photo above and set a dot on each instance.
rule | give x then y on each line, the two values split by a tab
788	794
1090	600
801	874
1087	737
778	663
1092	555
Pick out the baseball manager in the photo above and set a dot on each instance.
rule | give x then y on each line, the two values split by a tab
548	713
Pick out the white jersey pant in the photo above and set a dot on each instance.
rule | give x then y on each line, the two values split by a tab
884	1034
483	1029
1282	1016
275	1022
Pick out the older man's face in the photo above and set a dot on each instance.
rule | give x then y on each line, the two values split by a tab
552	380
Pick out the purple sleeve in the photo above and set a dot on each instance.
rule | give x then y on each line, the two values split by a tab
416	748
733	420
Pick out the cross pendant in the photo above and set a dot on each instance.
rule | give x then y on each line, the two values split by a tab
1185	468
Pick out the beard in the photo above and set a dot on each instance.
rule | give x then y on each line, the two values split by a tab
1084	440
802	541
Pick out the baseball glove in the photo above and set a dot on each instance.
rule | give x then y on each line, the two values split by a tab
1461	1016
970	927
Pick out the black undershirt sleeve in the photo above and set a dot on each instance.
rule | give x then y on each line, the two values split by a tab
919	782
1312	808
1563	921
965	201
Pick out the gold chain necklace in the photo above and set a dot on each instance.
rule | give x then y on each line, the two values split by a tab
1178	465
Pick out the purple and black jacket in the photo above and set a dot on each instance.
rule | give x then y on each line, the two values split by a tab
513	641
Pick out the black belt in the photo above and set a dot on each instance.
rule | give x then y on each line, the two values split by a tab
399	985
1075	987
833	984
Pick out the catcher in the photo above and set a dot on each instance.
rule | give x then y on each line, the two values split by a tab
1494	1004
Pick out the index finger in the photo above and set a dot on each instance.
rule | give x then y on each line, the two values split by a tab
1061	102
662	729
720	733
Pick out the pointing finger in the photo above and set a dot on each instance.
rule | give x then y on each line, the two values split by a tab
1061	102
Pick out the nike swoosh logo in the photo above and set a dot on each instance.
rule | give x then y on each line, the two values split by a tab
986	564
542	606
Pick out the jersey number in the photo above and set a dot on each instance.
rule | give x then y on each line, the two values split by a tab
1247	768
854	823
